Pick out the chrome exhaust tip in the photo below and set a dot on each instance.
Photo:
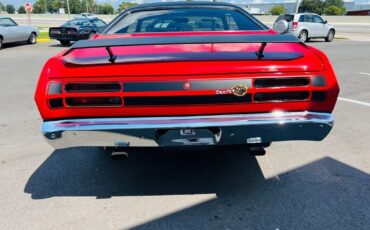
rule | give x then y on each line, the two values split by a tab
119	155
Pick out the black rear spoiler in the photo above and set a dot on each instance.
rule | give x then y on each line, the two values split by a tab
169	40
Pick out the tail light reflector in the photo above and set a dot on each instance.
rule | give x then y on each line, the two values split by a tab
54	88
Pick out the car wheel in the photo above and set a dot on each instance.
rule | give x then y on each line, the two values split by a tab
330	36
303	36
65	42
32	39
1	43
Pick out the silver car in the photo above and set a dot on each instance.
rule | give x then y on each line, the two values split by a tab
11	32
304	26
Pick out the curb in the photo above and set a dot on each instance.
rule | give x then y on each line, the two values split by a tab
43	40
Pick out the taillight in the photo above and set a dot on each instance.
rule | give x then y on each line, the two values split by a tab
295	25
55	31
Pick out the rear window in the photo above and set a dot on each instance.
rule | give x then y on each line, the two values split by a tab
177	20
78	23
286	17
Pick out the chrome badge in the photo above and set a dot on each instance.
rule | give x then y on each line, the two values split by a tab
239	90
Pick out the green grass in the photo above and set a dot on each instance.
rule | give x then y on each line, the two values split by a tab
44	35
341	38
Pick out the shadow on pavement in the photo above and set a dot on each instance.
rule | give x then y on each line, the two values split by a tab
15	44
325	194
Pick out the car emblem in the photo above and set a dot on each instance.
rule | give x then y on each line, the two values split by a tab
239	90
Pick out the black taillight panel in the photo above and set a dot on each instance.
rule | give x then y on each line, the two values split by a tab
56	103
318	96
281	96
281	82
94	101
92	87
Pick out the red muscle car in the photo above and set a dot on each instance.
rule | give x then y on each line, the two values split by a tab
188	73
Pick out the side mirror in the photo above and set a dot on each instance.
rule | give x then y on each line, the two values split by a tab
325	22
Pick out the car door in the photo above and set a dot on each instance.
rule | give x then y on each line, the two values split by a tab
303	22
311	26
320	26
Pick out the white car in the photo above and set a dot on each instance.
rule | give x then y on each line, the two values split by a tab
304	26
85	15
11	32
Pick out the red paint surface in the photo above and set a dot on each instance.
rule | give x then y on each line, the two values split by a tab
313	63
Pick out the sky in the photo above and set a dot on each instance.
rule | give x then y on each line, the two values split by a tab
115	3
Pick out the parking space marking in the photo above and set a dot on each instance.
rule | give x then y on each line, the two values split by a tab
363	73
354	101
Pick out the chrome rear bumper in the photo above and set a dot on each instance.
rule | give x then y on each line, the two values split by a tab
188	130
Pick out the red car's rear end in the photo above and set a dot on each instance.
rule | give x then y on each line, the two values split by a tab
186	88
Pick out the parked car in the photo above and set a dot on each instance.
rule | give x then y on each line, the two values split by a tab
76	29
85	15
304	26
186	74
11	32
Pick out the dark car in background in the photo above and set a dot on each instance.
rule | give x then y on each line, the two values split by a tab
76	29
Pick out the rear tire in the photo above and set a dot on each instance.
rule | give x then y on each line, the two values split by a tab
330	36
303	36
1	43
65	42
32	39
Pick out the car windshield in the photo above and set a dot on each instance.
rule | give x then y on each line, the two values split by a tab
78	23
177	20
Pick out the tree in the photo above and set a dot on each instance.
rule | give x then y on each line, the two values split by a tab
21	10
338	3
125	5
39	7
277	10
318	6
311	6
333	10
334	7
2	7
10	9
105	8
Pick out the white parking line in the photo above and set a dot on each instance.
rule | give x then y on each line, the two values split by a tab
363	73
354	101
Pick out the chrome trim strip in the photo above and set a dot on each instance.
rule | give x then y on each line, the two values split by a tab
236	129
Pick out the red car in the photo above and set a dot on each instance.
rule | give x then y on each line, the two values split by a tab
178	74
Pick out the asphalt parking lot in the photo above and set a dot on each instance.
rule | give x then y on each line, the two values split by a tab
297	185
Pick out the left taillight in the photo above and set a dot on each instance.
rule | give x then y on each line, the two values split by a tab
55	31
295	25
